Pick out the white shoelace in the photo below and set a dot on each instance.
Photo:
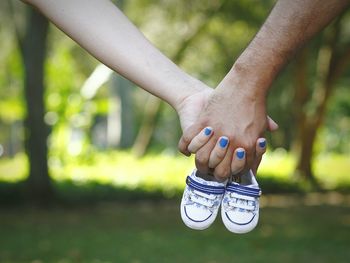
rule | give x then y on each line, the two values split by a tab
201	198
242	202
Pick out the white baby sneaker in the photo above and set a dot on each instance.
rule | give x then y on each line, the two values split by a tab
200	201
240	204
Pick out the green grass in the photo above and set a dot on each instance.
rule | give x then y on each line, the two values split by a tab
153	232
145	231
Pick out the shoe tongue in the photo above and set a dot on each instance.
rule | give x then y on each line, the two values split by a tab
247	180
208	178
205	182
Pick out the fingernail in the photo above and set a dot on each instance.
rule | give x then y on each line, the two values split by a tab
223	142
207	131
262	143
240	154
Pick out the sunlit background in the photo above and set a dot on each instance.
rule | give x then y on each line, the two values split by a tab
112	144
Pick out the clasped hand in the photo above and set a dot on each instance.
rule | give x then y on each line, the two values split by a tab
224	128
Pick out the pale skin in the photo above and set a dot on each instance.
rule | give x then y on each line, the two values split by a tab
103	30
237	107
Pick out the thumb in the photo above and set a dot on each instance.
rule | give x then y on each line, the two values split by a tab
187	137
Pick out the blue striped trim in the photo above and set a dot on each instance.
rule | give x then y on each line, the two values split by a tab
243	187
234	189
208	189
243	190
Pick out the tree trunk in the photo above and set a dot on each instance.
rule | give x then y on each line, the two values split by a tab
307	140
153	108
36	131
304	135
311	110
127	135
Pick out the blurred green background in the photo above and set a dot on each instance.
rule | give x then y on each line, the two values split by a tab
89	169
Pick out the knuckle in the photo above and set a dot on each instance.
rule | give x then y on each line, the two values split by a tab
181	147
213	163
219	154
201	140
186	138
222	173
236	168
249	144
201	159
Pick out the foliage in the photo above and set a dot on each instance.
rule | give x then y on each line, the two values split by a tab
14	169
217	32
164	175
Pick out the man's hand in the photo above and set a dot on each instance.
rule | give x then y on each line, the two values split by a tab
233	112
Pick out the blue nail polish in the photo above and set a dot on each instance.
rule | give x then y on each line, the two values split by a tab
240	154
262	144
207	131
223	142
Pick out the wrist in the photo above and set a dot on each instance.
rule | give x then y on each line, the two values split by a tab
188	88
250	79
257	67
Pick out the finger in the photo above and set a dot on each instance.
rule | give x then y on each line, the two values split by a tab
203	155
223	170
260	147
250	157
260	150
199	140
219	151
186	139
238	161
271	124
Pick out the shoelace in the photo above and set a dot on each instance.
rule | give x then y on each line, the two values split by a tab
202	194
204	199
242	202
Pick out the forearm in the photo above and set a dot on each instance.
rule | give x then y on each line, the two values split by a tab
289	25
100	28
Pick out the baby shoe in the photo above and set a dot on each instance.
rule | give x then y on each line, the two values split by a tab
240	204
200	201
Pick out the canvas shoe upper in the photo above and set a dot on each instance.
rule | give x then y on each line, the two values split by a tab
200	201
240	204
